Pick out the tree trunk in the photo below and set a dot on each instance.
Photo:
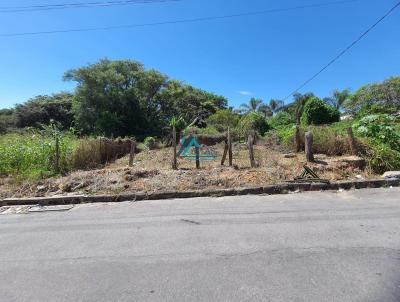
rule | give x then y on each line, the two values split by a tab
132	153
230	148
309	140
225	153
250	142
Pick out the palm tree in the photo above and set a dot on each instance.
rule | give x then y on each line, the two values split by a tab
300	101
253	105
276	105
338	98
265	110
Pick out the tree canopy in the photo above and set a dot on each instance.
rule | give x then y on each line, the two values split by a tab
386	93
122	98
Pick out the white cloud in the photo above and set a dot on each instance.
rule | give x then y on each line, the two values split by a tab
243	92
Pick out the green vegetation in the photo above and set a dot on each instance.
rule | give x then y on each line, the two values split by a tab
123	99
31	154
318	112
253	121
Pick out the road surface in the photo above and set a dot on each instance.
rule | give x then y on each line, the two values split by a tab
342	246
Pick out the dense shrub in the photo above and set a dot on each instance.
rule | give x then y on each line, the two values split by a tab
374	109
280	119
223	119
380	129
253	121
318	112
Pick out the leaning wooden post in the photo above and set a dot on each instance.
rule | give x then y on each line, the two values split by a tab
57	163
174	161
298	139
230	148
352	141
197	157
132	152
225	153
309	140
250	142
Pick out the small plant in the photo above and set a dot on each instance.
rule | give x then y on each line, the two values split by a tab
149	142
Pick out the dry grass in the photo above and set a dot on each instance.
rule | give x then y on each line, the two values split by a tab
152	172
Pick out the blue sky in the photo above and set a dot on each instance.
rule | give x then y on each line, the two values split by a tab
265	56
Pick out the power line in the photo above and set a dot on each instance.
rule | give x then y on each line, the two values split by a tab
201	19
344	50
44	7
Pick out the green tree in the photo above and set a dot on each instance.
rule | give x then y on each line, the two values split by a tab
252	105
7	120
296	109
179	99
44	109
386	93
224	119
317	112
276	105
338	98
117	98
253	121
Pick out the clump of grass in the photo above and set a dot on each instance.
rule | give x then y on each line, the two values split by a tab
87	154
31	155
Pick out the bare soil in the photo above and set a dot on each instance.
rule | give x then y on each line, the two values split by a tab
152	172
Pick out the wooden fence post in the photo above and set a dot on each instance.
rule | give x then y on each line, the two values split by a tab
174	160
250	142
197	157
132	152
57	163
309	140
352	141
230	148
225	153
298	139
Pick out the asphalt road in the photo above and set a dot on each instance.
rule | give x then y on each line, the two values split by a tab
300	247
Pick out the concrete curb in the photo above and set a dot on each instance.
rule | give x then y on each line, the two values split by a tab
268	190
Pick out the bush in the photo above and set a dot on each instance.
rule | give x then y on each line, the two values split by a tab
281	119
210	130
374	109
380	129
286	134
253	121
149	142
382	158
223	119
317	112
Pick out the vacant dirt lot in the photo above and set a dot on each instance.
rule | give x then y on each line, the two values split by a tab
152	172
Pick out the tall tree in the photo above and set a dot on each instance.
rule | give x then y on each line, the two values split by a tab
42	109
338	98
385	94
299	101
276	105
252	105
122	98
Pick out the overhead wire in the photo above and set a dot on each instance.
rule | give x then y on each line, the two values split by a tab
188	20
344	51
